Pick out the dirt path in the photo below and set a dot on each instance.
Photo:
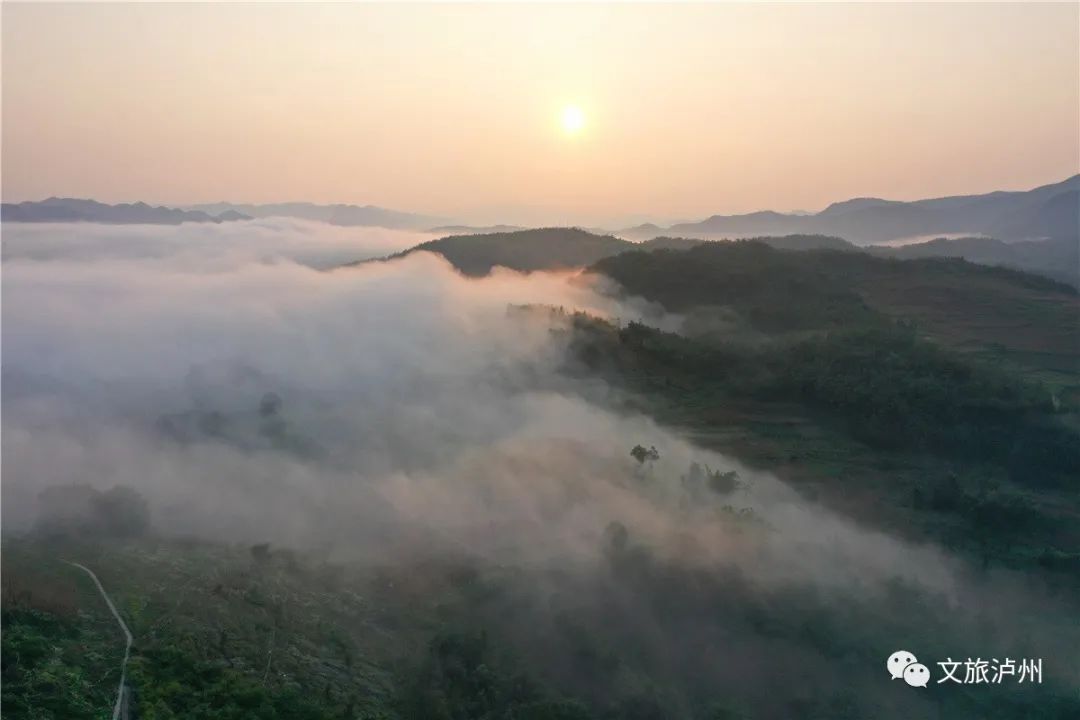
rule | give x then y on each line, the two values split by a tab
127	635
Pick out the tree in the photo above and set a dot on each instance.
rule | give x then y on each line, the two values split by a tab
723	483
640	454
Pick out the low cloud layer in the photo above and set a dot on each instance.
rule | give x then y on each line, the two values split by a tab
388	408
413	402
204	247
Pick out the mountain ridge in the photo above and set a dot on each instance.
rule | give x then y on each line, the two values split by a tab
57	209
342	214
1046	211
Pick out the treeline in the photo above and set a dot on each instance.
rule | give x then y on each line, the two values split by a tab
747	271
776	290
887	387
780	291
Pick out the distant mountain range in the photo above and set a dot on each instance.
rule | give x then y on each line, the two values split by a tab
346	215
56	209
1050	211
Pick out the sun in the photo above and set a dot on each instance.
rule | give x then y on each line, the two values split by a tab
572	120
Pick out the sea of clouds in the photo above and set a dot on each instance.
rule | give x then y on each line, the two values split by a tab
413	403
255	391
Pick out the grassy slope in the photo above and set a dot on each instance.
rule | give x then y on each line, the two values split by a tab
1034	328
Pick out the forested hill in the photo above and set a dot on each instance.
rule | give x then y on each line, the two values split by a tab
721	273
1025	319
865	377
780	242
523	250
1057	258
559	248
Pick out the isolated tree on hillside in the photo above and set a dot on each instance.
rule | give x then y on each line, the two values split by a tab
723	482
644	456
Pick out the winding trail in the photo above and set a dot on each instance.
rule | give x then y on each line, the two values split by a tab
127	635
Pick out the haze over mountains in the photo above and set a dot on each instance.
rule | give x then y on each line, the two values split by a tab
1036	230
1057	258
335	214
57	209
1049	211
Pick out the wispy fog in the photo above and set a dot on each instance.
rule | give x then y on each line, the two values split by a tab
204	247
387	408
410	403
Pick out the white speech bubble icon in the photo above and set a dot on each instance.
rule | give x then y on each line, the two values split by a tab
898	661
916	675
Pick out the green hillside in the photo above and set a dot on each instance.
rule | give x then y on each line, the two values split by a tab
563	248
1028	320
523	250
934	397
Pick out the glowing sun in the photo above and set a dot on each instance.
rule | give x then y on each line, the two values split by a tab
572	120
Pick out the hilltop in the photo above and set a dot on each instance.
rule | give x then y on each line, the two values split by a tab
1047	212
561	248
523	250
1029	319
1057	258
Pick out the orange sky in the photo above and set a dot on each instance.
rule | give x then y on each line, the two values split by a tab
454	110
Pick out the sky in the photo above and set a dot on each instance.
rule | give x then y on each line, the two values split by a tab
456	110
